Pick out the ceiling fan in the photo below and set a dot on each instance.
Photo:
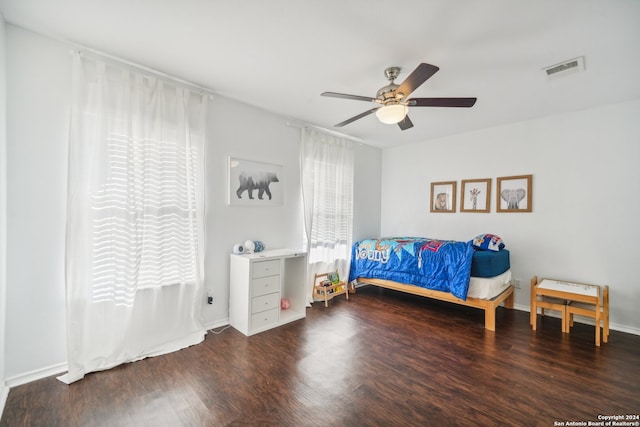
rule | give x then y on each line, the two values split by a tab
394	101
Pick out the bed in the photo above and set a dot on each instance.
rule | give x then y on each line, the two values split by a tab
474	274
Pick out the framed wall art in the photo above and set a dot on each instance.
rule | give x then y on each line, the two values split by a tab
475	195
254	183
514	193
443	197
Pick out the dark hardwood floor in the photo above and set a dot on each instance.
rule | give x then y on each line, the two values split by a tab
380	359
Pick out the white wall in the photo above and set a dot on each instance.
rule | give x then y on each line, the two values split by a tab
247	133
584	224
38	75
366	188
3	206
39	83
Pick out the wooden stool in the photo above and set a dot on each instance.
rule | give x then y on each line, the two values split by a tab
597	309
540	299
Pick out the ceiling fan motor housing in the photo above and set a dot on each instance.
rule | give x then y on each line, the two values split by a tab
388	93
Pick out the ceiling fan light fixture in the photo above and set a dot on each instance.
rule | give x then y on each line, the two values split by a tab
392	114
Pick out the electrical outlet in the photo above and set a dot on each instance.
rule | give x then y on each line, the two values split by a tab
516	283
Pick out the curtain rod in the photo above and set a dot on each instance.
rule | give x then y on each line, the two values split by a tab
302	125
83	50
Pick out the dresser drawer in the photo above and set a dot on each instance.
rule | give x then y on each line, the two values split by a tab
265	302
266	268
265	318
265	285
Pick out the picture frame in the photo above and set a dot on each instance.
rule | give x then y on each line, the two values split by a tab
443	197
475	195
514	193
252	183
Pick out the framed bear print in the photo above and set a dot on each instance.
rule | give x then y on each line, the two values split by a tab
443	197
514	193
253	183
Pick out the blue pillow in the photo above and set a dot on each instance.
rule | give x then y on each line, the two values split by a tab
488	242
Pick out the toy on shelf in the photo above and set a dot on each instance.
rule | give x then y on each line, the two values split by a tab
249	246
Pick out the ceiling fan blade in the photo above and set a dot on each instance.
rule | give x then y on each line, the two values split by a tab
405	123
420	75
346	96
354	118
441	102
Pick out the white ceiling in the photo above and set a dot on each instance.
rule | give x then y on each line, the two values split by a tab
279	55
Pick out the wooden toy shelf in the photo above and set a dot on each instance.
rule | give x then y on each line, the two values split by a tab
326	290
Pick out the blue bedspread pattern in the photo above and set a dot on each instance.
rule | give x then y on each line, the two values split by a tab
443	265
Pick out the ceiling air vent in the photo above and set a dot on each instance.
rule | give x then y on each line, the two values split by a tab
565	68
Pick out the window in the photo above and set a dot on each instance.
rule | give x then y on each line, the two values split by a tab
327	193
135	217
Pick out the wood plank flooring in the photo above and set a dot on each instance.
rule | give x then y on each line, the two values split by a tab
380	359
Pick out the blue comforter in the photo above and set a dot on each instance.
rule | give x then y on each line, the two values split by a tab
442	265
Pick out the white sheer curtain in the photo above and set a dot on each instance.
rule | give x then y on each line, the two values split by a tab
327	194
134	256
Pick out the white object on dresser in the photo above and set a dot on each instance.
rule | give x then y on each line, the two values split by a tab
258	283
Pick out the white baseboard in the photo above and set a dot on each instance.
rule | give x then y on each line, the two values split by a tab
520	307
585	320
216	324
35	375
61	368
4	393
623	328
579	319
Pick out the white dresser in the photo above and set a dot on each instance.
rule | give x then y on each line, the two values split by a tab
259	281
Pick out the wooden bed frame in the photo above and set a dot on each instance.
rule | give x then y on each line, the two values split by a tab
489	306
